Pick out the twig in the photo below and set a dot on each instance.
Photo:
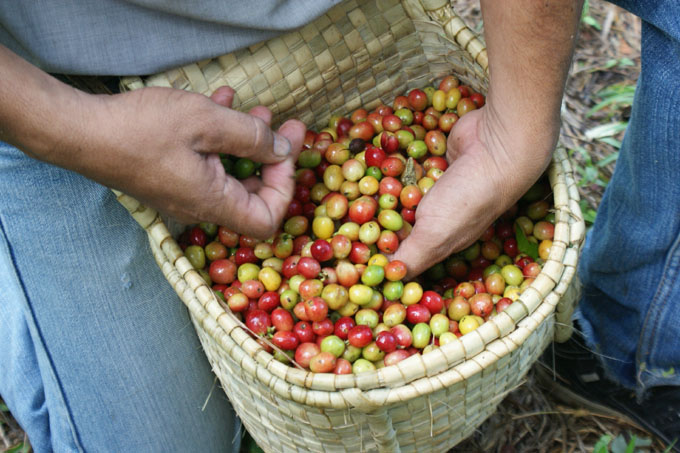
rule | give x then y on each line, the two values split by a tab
580	442
27	445
606	27
4	437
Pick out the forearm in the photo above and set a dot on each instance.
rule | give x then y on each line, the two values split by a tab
159	145
530	44
39	114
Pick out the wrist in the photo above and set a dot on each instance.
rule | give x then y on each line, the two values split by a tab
527	134
62	139
48	121
521	149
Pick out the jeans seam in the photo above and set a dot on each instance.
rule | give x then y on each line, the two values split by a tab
656	307
64	399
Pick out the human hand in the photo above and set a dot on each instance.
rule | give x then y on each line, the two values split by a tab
497	152
490	168
162	147
159	145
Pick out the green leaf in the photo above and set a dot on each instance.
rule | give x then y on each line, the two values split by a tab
3	407
611	141
589	20
623	100
606	130
588	212
16	448
581	182
585	154
618	445
621	95
589	216
601	445
591	174
610	63
643	442
523	244
608	159
625	61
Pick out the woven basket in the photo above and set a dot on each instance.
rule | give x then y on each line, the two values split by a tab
361	54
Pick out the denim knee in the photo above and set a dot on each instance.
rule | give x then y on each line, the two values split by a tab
110	360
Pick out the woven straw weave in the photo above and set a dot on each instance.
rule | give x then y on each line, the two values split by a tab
362	54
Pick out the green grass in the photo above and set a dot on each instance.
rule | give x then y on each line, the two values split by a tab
618	444
616	96
587	18
22	446
591	172
610	101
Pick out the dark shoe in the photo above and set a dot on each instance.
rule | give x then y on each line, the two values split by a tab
574	375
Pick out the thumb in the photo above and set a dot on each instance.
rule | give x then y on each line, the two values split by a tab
244	135
293	131
417	251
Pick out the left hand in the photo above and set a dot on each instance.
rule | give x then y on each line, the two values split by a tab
489	170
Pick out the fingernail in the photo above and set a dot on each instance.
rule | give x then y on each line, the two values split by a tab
281	145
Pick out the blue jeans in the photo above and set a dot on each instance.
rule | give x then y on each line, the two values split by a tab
97	353
630	267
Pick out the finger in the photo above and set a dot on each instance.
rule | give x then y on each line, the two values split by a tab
243	135
223	96
247	137
262	211
294	131
231	203
263	113
417	252
276	175
278	180
252	184
249	206
276	186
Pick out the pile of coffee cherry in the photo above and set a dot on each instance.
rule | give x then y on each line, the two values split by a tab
322	293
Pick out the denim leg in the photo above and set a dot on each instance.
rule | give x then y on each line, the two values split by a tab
630	267
97	352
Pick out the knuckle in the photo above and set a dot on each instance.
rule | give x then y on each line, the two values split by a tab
263	231
261	135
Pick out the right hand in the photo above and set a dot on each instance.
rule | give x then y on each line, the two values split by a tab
490	167
162	147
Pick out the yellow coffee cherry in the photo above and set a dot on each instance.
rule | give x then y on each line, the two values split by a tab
412	294
439	100
467	324
269	278
360	294
378	259
544	248
512	292
349	309
447	337
323	227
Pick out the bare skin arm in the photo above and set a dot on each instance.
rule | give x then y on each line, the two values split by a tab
497	152
158	145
